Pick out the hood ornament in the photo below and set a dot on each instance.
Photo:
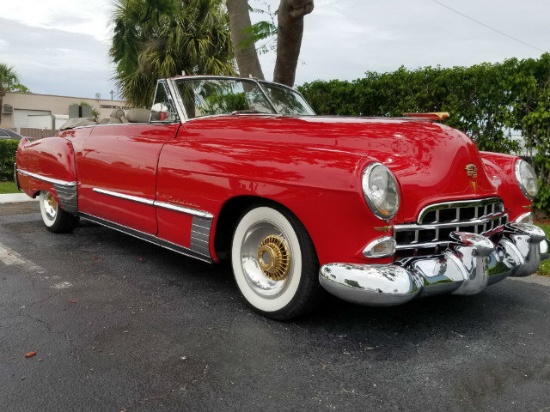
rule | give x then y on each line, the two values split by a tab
471	171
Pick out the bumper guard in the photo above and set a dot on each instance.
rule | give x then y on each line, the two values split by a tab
468	266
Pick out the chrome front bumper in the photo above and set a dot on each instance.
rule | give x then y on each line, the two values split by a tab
468	266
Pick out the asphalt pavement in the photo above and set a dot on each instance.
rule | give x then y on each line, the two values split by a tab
96	320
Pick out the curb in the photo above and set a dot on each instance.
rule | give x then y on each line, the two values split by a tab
16	198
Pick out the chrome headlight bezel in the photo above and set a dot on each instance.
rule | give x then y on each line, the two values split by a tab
526	178
381	191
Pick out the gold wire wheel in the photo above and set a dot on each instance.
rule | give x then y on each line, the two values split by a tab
50	206
274	257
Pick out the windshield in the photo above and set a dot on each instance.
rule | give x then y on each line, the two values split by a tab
286	101
219	96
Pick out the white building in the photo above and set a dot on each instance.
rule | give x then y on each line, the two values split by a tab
39	115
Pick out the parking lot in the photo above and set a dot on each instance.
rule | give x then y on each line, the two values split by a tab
111	323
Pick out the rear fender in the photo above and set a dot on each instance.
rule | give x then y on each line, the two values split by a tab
48	164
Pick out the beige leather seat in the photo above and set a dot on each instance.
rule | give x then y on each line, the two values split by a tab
138	115
118	116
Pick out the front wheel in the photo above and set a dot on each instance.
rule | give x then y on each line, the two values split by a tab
275	264
54	217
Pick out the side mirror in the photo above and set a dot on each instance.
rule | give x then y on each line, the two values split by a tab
159	112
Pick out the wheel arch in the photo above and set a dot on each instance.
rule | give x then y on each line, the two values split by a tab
229	218
274	261
49	165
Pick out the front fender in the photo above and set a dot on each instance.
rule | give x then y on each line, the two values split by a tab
48	164
501	169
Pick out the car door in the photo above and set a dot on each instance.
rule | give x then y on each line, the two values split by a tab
117	169
117	173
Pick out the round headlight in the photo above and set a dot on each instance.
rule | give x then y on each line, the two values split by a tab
380	190
526	178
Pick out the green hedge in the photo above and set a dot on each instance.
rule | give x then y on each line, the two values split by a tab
7	159
489	102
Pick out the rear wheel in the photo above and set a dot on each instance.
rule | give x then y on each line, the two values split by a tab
54	217
275	264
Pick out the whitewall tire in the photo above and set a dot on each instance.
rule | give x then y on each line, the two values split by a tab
275	264
54	217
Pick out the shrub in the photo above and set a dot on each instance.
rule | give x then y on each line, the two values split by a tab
486	101
7	159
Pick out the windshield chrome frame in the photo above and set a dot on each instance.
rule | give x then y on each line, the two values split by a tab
173	88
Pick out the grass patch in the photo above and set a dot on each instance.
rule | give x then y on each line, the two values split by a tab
8	187
544	269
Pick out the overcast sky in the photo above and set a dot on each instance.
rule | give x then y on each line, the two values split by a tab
61	47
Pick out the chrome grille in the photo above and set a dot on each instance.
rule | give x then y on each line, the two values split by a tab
436	222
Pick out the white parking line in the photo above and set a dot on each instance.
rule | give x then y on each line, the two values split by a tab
11	258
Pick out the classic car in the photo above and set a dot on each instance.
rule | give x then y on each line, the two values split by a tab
376	211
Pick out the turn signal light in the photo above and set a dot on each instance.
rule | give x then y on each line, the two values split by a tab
381	247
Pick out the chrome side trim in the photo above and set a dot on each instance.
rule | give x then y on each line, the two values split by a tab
200	227
186	210
66	191
156	203
125	197
47	179
197	254
68	197
15	177
200	235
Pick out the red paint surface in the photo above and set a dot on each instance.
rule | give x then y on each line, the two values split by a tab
312	166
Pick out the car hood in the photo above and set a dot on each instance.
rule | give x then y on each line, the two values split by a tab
432	162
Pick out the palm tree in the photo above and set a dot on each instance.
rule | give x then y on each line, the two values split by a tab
161	38
9	82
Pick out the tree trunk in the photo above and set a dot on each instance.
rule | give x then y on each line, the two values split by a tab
245	50
2	94
289	38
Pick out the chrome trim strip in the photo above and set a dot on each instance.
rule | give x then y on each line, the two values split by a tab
125	197
425	245
176	98
186	210
197	254
200	227
47	179
457	204
156	203
15	177
434	226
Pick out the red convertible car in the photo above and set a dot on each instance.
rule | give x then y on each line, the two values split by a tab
376	211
